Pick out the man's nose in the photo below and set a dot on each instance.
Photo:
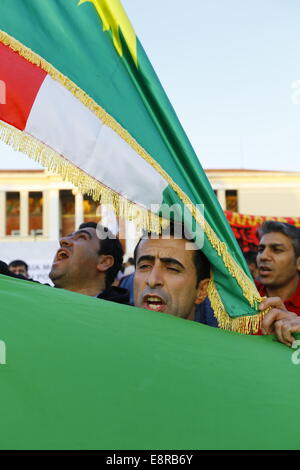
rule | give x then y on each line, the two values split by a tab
155	277
65	241
264	254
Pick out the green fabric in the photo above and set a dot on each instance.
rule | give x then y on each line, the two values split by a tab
70	37
83	373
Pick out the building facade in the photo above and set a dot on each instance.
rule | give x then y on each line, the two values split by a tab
263	193
36	209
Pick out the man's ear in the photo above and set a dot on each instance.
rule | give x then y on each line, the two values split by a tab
298	263
202	291
105	262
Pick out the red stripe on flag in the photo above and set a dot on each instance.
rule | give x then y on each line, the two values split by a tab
22	81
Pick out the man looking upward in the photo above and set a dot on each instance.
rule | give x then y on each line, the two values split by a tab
86	264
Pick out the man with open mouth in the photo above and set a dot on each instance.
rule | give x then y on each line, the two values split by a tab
278	262
89	265
86	264
170	278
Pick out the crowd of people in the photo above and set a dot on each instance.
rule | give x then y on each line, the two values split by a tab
165	277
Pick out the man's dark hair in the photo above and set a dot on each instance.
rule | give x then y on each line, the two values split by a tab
201	263
250	257
292	232
108	246
18	262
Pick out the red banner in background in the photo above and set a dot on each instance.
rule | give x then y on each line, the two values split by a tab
245	227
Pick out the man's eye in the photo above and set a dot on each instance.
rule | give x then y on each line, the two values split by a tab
170	268
144	266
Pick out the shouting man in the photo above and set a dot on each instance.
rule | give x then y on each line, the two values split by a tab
86	264
170	278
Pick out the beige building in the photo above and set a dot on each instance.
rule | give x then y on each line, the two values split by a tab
266	193
36	209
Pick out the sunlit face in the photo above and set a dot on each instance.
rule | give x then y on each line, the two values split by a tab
165	278
276	260
77	259
21	269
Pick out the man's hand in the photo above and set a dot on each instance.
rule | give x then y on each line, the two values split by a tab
279	321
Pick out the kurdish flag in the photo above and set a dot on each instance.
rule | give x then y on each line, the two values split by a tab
83	100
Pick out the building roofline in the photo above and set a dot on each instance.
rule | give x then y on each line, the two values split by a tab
243	170
22	171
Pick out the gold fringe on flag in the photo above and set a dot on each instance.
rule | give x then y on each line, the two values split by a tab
247	324
56	163
48	158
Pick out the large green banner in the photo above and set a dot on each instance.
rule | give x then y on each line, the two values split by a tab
80	373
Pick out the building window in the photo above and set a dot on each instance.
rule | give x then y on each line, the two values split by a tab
231	200
35	215
91	209
67	212
12	213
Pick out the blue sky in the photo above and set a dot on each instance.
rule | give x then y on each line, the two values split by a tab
228	67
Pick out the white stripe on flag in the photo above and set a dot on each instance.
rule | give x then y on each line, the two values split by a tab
62	122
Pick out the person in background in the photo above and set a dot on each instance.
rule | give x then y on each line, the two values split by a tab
278	262
250	257
127	283
129	267
19	267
